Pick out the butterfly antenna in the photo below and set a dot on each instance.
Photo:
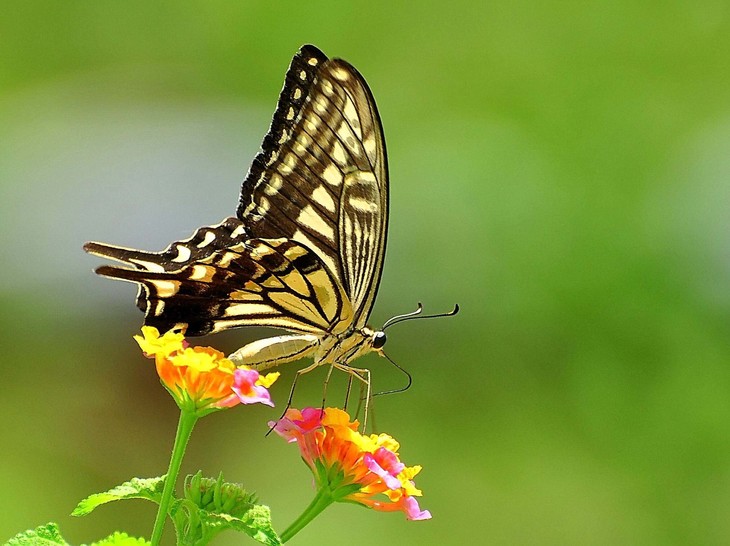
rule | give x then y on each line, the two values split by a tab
417	315
405	316
405	372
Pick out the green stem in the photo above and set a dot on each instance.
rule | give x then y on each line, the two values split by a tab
184	430
321	500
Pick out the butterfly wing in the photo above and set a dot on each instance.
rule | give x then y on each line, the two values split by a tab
321	178
306	251
256	282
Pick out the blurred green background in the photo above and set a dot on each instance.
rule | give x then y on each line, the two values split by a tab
560	169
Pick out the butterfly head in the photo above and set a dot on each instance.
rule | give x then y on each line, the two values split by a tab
370	340
378	340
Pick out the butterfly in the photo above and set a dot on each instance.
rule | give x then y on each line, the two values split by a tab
304	252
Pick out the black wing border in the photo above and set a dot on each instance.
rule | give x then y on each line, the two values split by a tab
300	76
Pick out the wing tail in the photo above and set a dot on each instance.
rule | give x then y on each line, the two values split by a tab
119	254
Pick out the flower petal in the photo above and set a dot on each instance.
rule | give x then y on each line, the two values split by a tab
413	511
244	385
152	343
381	464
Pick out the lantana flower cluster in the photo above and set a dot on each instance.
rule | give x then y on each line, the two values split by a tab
352	467
202	379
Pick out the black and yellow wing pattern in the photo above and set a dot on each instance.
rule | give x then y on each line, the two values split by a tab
305	250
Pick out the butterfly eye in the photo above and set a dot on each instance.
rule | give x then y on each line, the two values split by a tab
378	340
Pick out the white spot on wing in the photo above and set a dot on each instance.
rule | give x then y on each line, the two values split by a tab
207	239
312	126
149	266
226	259
264	205
303	139
183	254
240	230
165	289
332	175
284	169
370	145
338	153
328	88
363	178
247	309
323	197
341	74
362	205
262	250
274	185
320	105
200	272
310	217
352	117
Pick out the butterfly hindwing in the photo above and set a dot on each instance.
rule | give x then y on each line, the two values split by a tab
257	282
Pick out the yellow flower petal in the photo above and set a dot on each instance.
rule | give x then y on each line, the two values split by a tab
268	379
152	343
200	359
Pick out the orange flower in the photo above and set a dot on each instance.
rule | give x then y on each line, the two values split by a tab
352	467
201	379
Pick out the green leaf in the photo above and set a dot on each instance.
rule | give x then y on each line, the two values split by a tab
137	488
45	535
121	539
49	535
256	523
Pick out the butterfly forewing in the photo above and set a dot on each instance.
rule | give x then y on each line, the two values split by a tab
321	178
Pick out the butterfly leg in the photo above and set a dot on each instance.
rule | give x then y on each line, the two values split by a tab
324	387
348	391
293	388
362	374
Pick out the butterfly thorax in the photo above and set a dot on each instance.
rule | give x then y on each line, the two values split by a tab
345	347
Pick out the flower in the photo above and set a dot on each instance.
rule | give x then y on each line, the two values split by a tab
250	387
152	343
201	379
352	467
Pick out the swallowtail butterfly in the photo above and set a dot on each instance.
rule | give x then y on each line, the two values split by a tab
305	251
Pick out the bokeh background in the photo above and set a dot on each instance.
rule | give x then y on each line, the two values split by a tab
560	169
